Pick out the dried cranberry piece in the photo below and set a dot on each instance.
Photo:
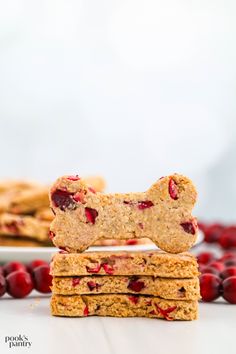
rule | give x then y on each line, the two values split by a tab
145	204
75	281
136	285
173	189
79	197
91	189
133	299
108	268
92	285
165	313
63	199
131	241
51	235
140	224
94	270
73	178
91	215
86	311
189	227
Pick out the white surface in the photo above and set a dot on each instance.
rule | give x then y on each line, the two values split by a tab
27	254
214	332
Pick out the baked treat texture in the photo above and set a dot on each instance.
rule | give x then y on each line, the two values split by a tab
162	214
122	305
154	263
23	225
21	241
174	289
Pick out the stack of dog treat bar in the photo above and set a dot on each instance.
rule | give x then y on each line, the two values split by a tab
152	284
25	215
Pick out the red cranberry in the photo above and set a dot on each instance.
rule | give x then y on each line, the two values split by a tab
229	289
189	227
217	265
165	313
202	226
209	287
73	178
19	284
75	281
131	241
86	311
95	269
228	272
173	190
92	190
51	235
42	279
63	199
91	215
34	264
92	285
79	197
2	285
133	299
12	267
210	270
230	263
228	256
145	204
213	232
135	285
108	269
228	237
205	257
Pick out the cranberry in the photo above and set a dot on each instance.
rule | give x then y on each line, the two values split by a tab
92	190
133	299
107	268
213	232
228	272
189	227
145	204
1	270
217	265
140	224
91	215
205	257
63	199
230	262
42	279
19	284
210	270
86	311
34	264
75	281
202	226
228	237
2	285
92	285
209	287
73	178
165	313
12	267
229	289
51	235
228	256
131	241
135	285
173	190
79	197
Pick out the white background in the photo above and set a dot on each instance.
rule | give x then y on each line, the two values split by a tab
129	89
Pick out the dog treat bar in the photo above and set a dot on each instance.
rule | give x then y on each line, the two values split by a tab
154	263
166	288
123	305
162	214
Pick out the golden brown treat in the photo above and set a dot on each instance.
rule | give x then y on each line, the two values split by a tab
123	306
9	184
155	263
20	241
166	288
24	225
162	214
129	242
29	200
45	214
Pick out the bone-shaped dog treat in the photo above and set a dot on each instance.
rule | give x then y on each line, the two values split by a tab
162	214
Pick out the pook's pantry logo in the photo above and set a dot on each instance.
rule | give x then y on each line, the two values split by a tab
18	341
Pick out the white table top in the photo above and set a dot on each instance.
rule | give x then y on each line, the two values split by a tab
212	333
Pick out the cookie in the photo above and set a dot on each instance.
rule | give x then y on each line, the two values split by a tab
166	288
24	225
154	263
123	305
162	214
